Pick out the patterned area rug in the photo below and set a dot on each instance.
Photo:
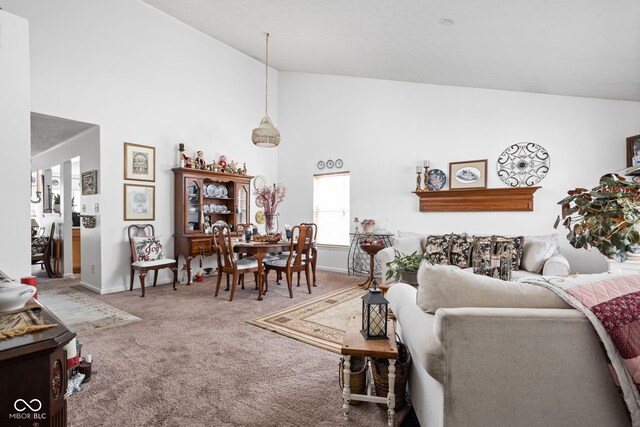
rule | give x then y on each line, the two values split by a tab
82	313
321	322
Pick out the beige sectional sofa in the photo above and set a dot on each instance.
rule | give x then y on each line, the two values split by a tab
492	353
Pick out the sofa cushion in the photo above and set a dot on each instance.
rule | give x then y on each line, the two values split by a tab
517	245
460	250
438	248
536	253
483	248
443	286
408	244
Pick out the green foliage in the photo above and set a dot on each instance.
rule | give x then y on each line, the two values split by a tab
403	262
604	217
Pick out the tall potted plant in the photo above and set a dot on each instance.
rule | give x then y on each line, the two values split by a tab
605	217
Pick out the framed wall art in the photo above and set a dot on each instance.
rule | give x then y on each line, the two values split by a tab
139	162
89	182
139	202
633	151
469	174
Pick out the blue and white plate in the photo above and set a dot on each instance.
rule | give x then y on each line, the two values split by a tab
436	180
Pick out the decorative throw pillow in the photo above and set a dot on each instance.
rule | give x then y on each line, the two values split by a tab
460	250
437	247
147	248
443	286
536	252
483	248
516	249
407	245
38	244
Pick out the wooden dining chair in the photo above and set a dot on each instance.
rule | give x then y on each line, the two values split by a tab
42	249
146	255
314	249
227	263
298	258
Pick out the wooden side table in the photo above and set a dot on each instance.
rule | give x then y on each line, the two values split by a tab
354	344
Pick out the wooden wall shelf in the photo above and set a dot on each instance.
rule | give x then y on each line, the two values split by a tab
477	200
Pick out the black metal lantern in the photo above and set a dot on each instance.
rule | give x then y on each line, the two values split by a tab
374	315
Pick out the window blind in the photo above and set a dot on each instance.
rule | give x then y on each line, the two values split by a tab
331	207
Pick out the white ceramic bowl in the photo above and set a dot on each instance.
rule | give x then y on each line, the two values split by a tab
14	295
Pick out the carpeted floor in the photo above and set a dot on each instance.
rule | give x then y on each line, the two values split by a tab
194	361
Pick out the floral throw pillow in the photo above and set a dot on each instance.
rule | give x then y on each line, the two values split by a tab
147	248
517	245
38	244
460	250
437	247
483	248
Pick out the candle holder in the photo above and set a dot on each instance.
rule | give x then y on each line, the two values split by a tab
426	178
418	178
374	315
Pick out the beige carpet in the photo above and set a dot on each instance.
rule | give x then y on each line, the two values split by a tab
321	322
83	313
192	360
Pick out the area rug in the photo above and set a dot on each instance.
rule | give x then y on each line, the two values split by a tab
321	322
82	313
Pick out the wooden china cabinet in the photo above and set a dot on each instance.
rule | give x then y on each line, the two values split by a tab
202	200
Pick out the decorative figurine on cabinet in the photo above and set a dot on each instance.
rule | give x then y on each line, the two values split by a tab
232	167
188	161
200	162
243	171
222	162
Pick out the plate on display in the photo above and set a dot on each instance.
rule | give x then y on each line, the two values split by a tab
205	208
436	180
523	164
260	218
223	191
210	190
259	182
220	223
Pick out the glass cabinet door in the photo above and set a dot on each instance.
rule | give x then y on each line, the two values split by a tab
242	205
194	208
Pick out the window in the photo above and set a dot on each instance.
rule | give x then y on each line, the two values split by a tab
331	208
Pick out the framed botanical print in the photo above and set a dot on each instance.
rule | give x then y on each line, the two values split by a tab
139	162
469	174
89	182
139	202
633	151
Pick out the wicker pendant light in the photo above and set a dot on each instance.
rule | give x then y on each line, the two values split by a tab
266	135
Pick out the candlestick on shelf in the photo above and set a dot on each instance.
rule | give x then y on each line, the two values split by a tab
426	175
418	178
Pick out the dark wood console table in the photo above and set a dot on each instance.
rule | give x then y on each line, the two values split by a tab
33	373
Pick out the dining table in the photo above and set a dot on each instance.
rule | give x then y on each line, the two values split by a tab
260	250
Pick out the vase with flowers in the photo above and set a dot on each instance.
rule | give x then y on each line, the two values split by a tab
269	198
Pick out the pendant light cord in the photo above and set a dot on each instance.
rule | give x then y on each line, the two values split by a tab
266	76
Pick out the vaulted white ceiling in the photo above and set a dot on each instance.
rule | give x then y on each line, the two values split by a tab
587	48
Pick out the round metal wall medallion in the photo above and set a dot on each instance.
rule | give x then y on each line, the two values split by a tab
330	164
320	165
339	163
523	164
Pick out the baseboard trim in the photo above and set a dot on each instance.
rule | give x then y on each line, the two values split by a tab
90	287
136	286
332	269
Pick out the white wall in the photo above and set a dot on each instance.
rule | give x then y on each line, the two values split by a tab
381	128
15	136
144	78
86	145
